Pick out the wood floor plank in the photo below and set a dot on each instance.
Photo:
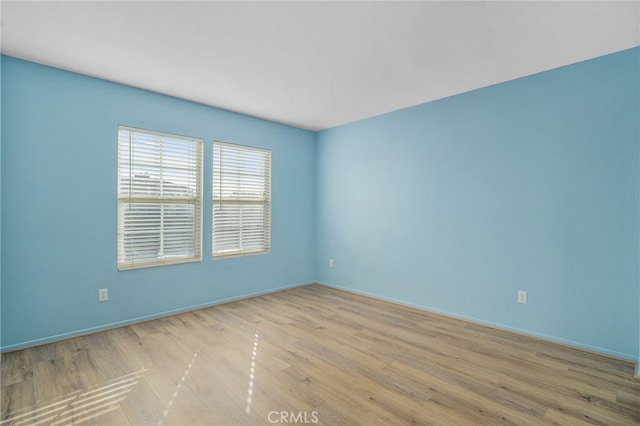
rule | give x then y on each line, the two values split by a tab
17	402
142	406
16	368
314	353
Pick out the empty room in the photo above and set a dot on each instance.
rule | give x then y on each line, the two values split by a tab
332	213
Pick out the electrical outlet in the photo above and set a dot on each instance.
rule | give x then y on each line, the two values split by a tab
331	263
522	296
103	294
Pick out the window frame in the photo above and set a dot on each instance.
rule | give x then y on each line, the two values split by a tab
266	202
127	197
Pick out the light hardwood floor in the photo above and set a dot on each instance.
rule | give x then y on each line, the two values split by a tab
314	355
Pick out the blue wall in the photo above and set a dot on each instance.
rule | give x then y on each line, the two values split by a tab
531	184
453	205
59	221
0	206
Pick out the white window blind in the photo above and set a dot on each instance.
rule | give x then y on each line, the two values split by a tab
159	198
241	200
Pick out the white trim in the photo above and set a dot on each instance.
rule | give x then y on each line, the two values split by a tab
569	343
124	323
240	200
148	162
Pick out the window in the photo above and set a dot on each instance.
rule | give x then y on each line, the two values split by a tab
241	200
159	198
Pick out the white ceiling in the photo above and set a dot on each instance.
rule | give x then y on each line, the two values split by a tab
314	65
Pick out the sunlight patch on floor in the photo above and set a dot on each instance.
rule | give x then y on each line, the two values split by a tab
175	392
78	406
252	373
